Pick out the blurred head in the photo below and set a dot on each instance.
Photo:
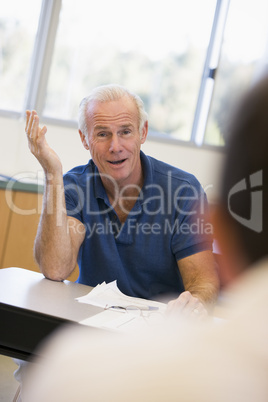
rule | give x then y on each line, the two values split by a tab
107	93
242	219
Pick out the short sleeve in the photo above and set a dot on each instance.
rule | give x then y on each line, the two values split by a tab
74	196
193	231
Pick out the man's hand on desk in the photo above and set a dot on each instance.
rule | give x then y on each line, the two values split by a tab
187	305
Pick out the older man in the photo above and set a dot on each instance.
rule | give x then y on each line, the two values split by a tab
129	217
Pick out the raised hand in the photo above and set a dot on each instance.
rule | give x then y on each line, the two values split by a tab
38	145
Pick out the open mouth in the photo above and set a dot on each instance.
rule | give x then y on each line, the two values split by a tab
117	162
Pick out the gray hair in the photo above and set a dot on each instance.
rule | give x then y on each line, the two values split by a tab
108	93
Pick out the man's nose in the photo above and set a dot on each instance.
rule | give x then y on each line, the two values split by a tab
115	145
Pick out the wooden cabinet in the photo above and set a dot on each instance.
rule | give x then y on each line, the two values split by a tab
19	216
4	222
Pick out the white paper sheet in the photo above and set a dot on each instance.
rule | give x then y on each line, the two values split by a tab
112	320
107	295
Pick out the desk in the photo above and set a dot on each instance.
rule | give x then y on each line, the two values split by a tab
32	307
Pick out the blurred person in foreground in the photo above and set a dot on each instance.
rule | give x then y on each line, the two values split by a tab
227	361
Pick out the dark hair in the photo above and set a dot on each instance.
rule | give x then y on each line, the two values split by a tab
245	173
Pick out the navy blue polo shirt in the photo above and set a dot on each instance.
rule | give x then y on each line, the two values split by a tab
167	223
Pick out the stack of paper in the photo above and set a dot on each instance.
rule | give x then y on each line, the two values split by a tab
107	295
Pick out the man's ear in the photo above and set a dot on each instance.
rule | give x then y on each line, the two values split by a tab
144	132
84	140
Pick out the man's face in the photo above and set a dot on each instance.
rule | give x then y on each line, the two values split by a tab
114	139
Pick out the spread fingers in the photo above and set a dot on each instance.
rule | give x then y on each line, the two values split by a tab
32	124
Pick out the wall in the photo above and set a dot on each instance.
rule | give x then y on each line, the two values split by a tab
15	157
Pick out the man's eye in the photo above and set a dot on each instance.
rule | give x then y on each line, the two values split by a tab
101	135
126	132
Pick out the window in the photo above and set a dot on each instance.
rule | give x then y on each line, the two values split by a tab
53	52
155	48
243	59
18	26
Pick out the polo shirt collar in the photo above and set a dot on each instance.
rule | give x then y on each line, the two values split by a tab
98	188
148	176
100	192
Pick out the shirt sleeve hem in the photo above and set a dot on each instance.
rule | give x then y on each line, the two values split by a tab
196	248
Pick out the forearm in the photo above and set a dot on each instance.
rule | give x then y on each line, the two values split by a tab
53	246
205	291
200	277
